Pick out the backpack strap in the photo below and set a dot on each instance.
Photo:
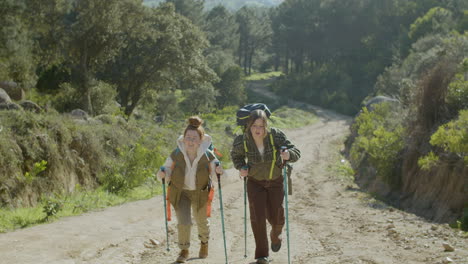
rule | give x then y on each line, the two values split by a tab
274	153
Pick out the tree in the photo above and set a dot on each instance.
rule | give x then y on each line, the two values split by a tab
16	45
163	51
255	33
191	9
95	37
436	20
231	88
222	33
199	99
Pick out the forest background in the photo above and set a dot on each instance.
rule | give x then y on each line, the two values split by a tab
105	85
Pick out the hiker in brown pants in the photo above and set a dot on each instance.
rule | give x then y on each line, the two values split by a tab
257	156
189	169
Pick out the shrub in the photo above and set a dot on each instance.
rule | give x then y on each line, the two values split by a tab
136	165
451	138
380	137
103	98
457	96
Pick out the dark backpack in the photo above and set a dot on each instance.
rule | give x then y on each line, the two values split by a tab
244	113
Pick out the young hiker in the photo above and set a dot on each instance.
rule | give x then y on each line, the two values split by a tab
189	169
261	145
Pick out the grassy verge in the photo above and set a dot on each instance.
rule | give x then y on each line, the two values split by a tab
263	76
81	201
289	118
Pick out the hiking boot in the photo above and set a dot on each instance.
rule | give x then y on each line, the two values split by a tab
203	250
263	260
275	236
183	256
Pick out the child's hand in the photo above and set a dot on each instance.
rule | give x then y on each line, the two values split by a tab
161	175
244	172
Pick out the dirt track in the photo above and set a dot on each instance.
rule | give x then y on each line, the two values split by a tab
331	221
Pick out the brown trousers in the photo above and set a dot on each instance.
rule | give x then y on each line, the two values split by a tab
266	203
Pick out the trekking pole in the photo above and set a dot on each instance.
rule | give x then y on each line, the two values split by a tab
163	169
285	180
222	213
245	213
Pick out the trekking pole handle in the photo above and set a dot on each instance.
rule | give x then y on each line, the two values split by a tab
284	149
245	167
217	163
163	169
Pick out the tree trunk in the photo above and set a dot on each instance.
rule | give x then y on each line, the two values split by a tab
84	83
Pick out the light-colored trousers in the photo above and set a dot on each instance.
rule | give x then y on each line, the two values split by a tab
188	202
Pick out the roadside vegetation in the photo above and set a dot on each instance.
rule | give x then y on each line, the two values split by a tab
124	159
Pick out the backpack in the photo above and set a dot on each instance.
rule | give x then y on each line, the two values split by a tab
243	113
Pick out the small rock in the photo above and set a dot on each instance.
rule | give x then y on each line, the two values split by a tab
448	247
447	260
434	228
154	242
390	226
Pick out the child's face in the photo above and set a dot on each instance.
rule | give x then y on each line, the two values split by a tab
258	129
192	140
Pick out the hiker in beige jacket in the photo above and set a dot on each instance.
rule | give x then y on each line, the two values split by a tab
189	170
256	154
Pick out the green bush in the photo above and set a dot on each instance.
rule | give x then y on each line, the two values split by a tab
380	138
452	138
102	98
464	220
136	165
457	96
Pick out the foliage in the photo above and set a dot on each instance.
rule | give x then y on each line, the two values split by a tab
230	4
231	88
289	118
102	95
401	78
263	76
141	67
325	86
200	99
457	94
191	9
464	220
380	136
436	20
82	200
254	35
94	37
428	161
222	32
16	44
51	208
136	165
38	167
452	138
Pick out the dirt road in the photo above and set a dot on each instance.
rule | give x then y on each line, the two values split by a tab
331	221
